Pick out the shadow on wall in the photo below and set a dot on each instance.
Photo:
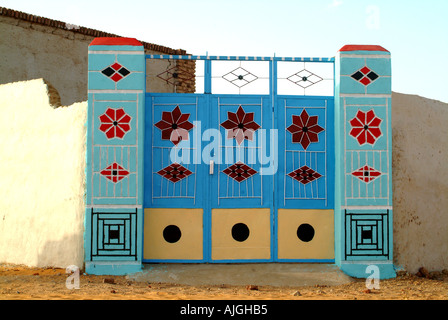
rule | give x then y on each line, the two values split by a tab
420	182
63	252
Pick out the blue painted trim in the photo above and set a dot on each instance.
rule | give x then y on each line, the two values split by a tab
113	268
240	58
172	261
307	260
207	76
241	261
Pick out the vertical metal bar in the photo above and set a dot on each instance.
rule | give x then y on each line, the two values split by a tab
345	234
91	234
136	232
207	76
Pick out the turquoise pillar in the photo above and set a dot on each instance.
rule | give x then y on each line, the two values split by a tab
363	190
114	186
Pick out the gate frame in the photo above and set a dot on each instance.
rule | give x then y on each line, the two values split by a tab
130	87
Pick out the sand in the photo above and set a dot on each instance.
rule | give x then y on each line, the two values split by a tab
23	283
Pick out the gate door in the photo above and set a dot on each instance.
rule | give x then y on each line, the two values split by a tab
239	177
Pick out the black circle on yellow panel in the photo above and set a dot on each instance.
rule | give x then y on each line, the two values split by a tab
172	233
305	232
240	232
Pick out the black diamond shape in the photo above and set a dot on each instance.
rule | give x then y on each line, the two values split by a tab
124	72
108	71
372	75
357	75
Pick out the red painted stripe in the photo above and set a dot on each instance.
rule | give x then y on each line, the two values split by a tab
356	47
109	41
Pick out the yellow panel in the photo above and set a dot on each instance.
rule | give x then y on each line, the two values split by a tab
321	246
256	246
189	222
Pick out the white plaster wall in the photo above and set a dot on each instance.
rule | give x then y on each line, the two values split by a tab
42	161
420	182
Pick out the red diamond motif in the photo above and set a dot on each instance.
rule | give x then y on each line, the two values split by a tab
116	66
304	175
116	77
239	171
175	172
366	174
114	172
365	81
365	70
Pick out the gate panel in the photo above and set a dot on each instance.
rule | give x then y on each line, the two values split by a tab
172	171
306	156
241	192
304	181
239	181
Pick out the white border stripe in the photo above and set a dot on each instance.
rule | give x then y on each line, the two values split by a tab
117	52
378	56
367	208
112	206
115	91
363	95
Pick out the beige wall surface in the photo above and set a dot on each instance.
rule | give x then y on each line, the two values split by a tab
420	182
31	51
42	182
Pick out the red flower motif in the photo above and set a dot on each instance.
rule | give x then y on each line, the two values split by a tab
240	125
174	125
114	172
115	123
365	127
304	129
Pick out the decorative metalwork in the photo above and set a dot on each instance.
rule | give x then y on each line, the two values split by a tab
116	72
174	125
304	129
240	125
304	175
239	171
304	78
175	172
174	75
240	77
367	234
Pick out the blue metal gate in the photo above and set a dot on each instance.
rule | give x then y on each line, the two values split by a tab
241	177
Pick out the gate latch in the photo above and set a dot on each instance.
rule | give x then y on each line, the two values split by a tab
211	166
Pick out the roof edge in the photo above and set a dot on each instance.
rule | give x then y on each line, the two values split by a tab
361	47
81	30
114	41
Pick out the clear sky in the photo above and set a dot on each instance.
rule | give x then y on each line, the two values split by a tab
415	32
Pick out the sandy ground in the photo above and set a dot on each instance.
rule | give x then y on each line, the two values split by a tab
22	283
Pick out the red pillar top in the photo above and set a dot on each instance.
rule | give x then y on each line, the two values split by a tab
110	41
356	47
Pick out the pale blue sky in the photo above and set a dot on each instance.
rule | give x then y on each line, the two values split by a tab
415	32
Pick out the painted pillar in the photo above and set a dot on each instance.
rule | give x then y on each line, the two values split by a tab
114	197
363	192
